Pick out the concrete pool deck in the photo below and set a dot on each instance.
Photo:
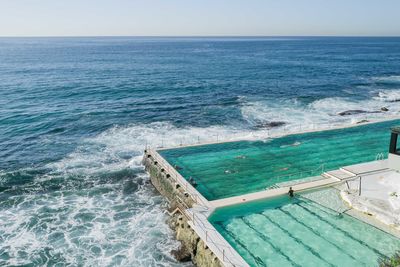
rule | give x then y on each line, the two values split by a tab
379	196
269	193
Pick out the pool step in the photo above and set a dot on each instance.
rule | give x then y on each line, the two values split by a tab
357	234
338	174
368	167
319	182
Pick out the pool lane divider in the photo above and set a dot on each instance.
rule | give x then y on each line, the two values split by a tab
319	182
270	242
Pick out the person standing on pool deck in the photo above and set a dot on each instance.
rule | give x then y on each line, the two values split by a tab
291	192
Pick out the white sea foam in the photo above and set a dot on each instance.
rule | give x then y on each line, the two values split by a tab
87	228
118	223
122	147
389	79
388	95
321	113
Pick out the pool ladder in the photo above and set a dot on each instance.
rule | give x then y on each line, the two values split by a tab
274	186
380	156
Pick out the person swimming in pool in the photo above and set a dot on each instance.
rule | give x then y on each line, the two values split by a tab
291	192
192	181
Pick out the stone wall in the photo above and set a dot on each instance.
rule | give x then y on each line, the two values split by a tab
192	247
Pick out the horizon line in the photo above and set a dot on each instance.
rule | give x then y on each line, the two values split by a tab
203	36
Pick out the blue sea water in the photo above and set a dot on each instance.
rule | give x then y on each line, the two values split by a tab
76	114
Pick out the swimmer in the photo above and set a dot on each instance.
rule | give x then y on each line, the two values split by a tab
291	192
294	144
192	181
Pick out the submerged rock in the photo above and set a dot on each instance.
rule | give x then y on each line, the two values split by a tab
362	121
384	109
182	254
356	111
352	112
270	124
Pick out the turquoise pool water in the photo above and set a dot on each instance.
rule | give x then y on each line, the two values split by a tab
235	168
301	232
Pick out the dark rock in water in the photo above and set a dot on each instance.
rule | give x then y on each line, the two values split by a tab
392	100
362	121
352	112
271	124
182	254
384	109
355	111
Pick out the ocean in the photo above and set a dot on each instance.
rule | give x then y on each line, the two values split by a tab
77	113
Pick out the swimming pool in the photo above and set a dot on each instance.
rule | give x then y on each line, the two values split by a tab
236	168
301	232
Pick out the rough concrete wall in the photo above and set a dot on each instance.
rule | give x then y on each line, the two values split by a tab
192	247
166	186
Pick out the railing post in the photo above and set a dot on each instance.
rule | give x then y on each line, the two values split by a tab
206	236
347	183
359	188
223	254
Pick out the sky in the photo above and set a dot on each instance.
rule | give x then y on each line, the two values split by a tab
199	17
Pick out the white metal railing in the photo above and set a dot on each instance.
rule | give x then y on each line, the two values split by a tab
300	175
209	235
359	177
214	240
177	177
380	156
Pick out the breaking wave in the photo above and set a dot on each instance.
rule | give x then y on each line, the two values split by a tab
95	206
334	111
388	79
388	96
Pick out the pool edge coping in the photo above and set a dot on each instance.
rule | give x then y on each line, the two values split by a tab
279	134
